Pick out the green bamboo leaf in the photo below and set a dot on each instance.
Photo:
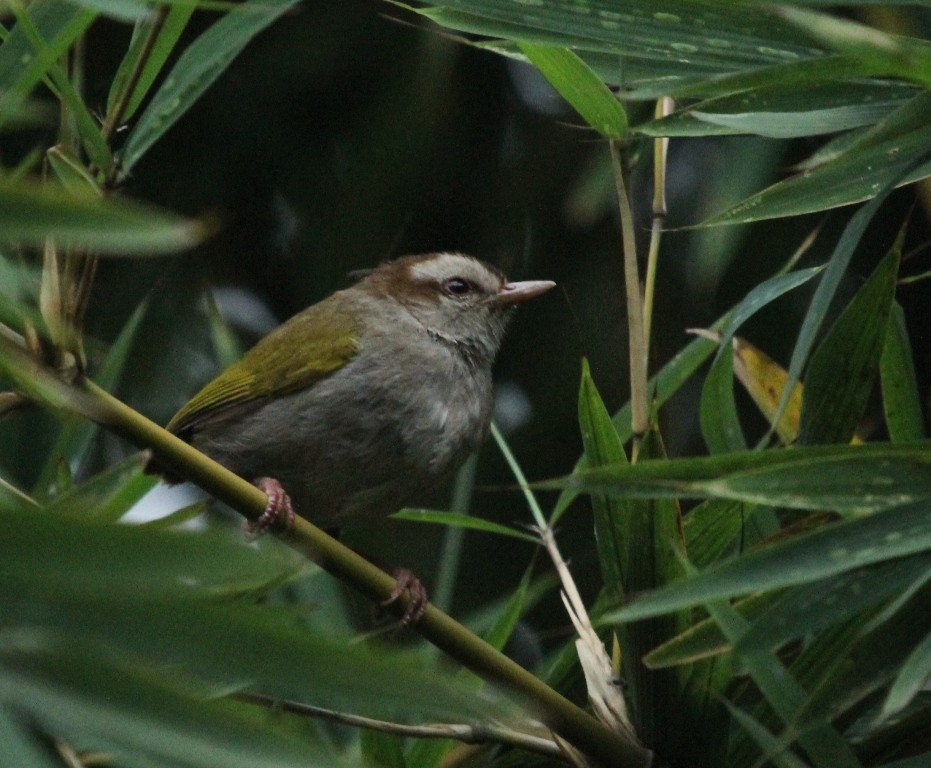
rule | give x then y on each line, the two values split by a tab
651	557
613	517
310	662
637	542
906	57
660	41
827	288
850	478
196	70
918	761
382	750
716	526
21	68
73	176
911	679
802	75
789	125
720	425
823	744
108	495
705	639
179	516
775	750
460	520
89	698
30	213
840	375
664	385
82	556
138	593
13	498
807	669
74	440
891	153
901	400
786	110
828	551
579	86
119	10
809	608
168	34
762	295
64	89
429	752
865	659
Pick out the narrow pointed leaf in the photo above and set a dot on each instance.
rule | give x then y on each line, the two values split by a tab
89	699
75	437
664	385
830	281
822	743
829	551
720	425
581	87
842	369
848	478
775	751
73	176
29	214
891	153
911	679
21	66
901	400
907	57
809	608
459	520
196	70
705	639
602	446
718	525
169	32
108	495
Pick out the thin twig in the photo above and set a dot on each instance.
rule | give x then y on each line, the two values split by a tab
475	733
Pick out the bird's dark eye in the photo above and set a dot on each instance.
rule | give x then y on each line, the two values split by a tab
457	286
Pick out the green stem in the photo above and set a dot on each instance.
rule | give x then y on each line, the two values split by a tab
639	400
39	383
664	107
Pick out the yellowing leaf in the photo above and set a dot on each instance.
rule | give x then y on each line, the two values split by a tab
764	379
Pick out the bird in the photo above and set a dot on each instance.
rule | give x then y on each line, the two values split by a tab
365	400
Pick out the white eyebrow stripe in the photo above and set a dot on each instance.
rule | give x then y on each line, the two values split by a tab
434	269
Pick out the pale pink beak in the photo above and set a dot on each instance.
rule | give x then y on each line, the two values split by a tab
514	293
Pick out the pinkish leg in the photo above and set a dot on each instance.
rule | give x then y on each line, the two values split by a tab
407	581
279	513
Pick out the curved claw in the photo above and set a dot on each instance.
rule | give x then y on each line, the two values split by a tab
279	512
406	581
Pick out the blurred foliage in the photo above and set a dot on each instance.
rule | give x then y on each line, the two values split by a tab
770	600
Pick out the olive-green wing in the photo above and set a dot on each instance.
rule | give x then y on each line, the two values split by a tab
306	349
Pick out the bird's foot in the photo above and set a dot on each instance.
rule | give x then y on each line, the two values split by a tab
406	581
278	516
